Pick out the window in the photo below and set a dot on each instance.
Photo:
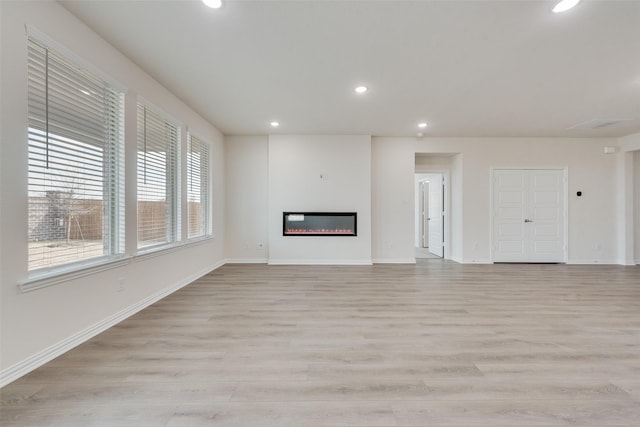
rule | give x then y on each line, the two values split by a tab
157	168
75	163
197	187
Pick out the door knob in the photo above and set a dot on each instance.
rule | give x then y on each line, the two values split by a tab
528	220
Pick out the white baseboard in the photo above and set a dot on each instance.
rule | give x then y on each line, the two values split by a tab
319	262
594	261
35	361
476	261
246	261
629	262
394	261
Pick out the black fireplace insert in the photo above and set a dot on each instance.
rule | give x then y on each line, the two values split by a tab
319	224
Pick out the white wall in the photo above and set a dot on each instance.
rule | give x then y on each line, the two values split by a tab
433	162
628	187
592	218
393	200
38	325
630	142
457	207
246	231
294	184
625	207
296	164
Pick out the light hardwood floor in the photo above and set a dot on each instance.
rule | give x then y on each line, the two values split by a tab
435	344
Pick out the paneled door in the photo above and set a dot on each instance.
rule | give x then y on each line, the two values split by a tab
529	215
436	215
424	214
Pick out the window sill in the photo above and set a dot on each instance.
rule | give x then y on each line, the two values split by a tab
75	271
42	280
156	251
200	240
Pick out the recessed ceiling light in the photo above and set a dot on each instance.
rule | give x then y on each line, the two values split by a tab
275	124
213	4
564	5
422	125
361	89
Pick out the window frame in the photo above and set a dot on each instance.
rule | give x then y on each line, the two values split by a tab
205	186
112	151
173	176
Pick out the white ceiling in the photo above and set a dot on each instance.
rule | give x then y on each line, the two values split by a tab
468	68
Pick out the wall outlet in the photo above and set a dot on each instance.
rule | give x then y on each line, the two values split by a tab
121	284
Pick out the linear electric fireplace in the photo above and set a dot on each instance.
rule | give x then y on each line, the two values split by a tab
319	224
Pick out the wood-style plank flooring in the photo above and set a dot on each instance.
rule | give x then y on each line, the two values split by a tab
435	344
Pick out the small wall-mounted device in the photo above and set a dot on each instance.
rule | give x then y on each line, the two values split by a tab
579	193
609	150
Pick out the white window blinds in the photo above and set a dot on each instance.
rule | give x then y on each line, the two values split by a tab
157	168
197	187
76	163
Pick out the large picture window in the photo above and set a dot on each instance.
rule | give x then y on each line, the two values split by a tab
197	187
158	177
75	163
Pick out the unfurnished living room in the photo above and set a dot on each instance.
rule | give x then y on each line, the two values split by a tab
320	213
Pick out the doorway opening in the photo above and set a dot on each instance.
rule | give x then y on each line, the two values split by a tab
430	215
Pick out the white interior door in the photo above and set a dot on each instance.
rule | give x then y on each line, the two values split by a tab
528	215
424	214
436	215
